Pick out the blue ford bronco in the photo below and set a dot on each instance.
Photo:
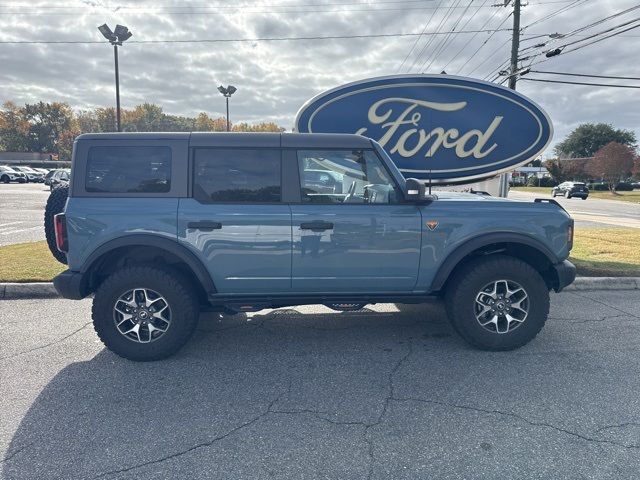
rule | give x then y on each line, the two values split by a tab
161	226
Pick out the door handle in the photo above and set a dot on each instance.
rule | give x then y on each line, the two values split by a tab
205	225
316	226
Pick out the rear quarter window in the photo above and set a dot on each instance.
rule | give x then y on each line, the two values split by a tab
128	170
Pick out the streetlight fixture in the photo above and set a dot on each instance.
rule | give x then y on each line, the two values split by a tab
116	37
227	92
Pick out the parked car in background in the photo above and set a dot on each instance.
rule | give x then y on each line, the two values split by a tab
43	171
8	174
60	177
32	175
571	189
47	177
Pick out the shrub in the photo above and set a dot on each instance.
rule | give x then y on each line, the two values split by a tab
541	182
598	187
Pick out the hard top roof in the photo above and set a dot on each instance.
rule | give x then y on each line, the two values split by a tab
243	139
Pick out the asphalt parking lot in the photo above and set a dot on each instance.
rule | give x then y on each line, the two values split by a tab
593	212
308	393
22	212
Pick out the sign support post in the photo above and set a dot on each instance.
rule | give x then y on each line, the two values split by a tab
513	78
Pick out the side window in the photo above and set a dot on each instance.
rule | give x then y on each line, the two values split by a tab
236	175
128	170
345	176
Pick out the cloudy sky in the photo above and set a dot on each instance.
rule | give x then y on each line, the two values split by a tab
274	78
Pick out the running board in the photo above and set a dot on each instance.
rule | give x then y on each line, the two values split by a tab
252	303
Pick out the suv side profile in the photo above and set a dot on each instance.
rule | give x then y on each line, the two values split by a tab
160	227
571	189
8	174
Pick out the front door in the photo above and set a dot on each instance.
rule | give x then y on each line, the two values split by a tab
235	221
352	231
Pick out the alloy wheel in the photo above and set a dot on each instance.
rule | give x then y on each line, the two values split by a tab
501	306
142	315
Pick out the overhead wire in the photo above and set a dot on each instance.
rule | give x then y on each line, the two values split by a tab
431	39
470	40
447	39
426	25
473	55
230	40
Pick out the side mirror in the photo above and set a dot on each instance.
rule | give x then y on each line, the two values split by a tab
416	191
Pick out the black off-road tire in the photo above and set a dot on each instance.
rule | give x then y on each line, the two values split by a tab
467	282
172	285
55	204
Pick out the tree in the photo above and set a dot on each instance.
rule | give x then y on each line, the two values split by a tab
556	169
636	167
14	129
588	138
258	127
612	162
46	122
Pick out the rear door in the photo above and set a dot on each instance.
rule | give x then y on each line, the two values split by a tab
235	220
352	230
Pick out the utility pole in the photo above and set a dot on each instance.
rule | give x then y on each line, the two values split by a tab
115	56
515	46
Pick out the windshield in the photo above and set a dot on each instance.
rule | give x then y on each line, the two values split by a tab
8	169
26	169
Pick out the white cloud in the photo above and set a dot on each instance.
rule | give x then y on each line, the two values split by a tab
275	78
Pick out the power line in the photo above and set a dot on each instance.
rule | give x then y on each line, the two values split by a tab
564	52
426	25
473	55
449	39
579	83
613	77
573	4
471	39
430	41
230	40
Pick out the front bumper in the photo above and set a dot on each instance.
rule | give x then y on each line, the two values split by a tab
72	285
565	274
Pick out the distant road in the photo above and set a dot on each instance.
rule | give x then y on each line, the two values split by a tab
22	212
592	211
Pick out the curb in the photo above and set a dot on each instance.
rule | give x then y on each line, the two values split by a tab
27	290
582	284
39	290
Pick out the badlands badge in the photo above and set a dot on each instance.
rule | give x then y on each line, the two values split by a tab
432	224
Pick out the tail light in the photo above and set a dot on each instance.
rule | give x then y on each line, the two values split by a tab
60	224
570	235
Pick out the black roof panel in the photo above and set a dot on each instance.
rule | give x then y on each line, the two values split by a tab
243	139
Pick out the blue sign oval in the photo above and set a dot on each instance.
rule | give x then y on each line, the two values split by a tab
453	129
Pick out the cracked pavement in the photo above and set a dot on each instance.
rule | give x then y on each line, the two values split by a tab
388	392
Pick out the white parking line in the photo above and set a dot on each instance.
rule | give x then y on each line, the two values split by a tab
20	230
8	223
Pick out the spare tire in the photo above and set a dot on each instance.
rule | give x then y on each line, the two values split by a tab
55	204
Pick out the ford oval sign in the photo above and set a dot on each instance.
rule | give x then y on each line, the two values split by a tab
453	129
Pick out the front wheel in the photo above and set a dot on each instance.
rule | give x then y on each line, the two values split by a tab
145	313
497	302
567	195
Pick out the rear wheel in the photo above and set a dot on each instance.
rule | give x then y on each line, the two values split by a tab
55	204
497	302
5	179
145	313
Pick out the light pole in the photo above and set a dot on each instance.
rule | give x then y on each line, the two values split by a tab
119	35
227	92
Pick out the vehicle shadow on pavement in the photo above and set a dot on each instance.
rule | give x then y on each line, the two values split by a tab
294	394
